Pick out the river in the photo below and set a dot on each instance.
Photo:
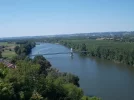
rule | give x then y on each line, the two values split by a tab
101	78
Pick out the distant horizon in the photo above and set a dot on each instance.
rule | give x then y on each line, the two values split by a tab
47	17
64	34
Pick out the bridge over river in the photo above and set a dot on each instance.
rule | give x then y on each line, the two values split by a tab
71	52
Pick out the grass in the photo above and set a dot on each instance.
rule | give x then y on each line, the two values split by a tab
7	44
91	44
7	53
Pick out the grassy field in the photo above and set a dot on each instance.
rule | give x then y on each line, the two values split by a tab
8	49
8	54
106	43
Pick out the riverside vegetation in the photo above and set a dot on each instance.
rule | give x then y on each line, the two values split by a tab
118	51
35	79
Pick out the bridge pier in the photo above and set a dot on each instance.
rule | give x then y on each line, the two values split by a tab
71	52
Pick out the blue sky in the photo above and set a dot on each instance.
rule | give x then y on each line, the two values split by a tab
47	17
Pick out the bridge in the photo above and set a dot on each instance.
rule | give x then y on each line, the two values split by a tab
56	53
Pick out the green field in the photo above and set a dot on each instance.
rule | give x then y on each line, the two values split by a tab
8	49
7	44
106	43
8	54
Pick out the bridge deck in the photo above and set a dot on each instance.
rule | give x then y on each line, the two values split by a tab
55	53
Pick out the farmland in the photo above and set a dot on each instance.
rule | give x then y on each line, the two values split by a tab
7	49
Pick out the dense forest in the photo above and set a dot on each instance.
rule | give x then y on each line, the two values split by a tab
24	48
118	51
35	79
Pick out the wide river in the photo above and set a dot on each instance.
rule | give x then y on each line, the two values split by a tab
101	78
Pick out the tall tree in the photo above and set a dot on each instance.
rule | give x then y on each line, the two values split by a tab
83	49
0	54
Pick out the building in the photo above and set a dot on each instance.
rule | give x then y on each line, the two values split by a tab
7	63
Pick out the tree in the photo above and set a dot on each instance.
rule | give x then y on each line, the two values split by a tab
44	64
0	54
3	71
89	98
72	92
16	49
3	46
71	79
83	49
24	48
36	96
6	91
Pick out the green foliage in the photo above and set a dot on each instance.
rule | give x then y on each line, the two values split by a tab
6	91
44	64
72	92
24	48
27	83
90	98
0	54
83	49
71	79
3	71
36	96
117	51
16	49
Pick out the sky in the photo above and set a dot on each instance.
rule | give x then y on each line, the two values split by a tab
50	17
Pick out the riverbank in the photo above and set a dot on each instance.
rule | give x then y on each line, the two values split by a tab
121	52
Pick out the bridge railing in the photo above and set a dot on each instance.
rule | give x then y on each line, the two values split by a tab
55	53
